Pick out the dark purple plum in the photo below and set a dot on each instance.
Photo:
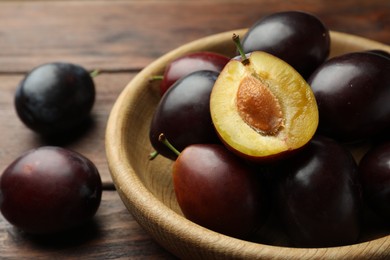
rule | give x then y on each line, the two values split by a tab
188	63
217	190
50	189
319	197
55	98
380	52
298	38
353	94
183	114
374	170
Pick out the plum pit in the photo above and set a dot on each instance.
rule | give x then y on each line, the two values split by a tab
258	106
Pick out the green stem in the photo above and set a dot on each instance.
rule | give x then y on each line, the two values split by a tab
165	141
156	77
94	73
236	39
153	155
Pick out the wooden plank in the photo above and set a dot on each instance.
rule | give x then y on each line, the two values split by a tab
127	35
112	234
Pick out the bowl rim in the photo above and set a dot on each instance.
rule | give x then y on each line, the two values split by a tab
144	206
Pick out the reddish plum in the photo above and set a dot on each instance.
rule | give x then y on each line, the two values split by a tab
189	63
217	190
50	189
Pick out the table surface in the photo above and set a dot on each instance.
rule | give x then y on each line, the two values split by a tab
120	38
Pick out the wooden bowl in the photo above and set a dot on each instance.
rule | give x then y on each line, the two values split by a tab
146	186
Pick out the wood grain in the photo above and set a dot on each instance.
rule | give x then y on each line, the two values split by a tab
128	35
120	38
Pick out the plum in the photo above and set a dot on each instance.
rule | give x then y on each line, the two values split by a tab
50	189
353	92
319	195
298	38
183	114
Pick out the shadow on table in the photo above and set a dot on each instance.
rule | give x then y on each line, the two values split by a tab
68	239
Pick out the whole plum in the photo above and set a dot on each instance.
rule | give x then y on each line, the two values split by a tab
50	189
374	170
218	190
298	38
319	196
191	62
55	98
183	114
353	94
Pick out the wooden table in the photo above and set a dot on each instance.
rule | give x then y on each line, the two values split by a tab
120	38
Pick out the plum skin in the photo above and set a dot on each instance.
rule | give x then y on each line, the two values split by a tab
55	98
186	64
183	114
298	38
217	190
352	93
50	189
374	171
319	195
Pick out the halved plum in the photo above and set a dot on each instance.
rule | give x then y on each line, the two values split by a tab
262	107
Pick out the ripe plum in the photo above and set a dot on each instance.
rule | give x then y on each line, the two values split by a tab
55	98
319	197
254	113
217	190
183	114
353	93
189	63
298	38
374	170
49	189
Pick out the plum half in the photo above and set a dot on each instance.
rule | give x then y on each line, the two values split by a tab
261	107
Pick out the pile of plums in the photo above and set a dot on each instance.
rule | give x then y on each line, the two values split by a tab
50	189
264	134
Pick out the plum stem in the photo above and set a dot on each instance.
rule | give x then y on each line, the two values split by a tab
165	141
236	39
153	155
156	77
94	73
